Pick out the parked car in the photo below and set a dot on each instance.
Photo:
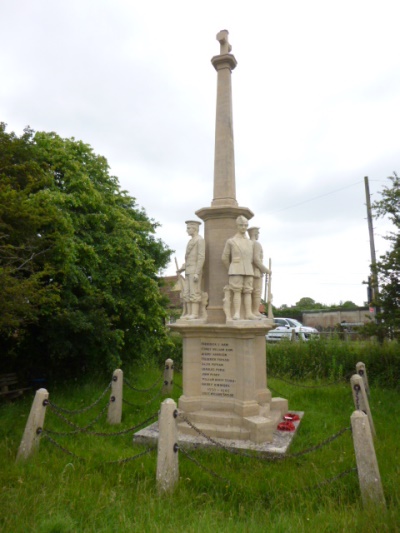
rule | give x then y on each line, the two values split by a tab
284	330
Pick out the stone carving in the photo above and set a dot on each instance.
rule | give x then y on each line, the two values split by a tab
259	270
222	38
238	259
194	301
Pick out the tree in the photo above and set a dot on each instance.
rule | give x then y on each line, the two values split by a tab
388	267
78	259
348	304
306	303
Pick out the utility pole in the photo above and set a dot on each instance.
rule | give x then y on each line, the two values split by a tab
374	279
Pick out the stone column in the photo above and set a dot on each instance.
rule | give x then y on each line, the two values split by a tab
224	156
219	219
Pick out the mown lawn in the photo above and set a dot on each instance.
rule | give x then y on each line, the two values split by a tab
56	492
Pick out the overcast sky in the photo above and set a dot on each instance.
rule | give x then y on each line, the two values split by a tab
316	105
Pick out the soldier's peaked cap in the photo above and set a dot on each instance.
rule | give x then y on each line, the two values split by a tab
192	222
253	228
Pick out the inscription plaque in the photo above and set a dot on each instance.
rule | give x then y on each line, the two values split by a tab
217	368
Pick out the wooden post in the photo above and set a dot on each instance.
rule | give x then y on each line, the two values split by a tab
34	425
167	456
168	376
362	371
114	415
367	465
361	400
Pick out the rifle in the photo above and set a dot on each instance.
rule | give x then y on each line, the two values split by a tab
270	312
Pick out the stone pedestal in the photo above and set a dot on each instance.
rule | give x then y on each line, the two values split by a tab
225	390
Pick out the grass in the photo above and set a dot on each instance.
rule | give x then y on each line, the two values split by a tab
55	492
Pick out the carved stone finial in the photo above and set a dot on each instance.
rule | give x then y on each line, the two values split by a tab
222	38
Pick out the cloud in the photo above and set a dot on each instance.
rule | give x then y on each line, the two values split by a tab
316	102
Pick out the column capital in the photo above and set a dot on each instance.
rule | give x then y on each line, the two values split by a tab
224	61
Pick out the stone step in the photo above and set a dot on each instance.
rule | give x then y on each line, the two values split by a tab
215	431
226	418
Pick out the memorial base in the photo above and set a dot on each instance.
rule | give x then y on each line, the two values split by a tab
225	392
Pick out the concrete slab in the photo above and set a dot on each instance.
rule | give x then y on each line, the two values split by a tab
279	445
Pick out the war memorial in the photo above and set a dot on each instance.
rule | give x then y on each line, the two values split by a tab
225	392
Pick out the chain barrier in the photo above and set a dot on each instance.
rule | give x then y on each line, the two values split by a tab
159	393
129	385
309	488
132	458
344	378
323	483
46	435
330	480
275	391
78	429
100	433
72	454
84	409
202	467
321	444
266	457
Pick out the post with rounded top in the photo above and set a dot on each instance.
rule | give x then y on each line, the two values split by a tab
168	376
367	465
114	415
167	453
362	371
361	400
34	425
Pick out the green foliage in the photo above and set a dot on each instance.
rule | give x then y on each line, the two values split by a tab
79	260
308	304
388	268
53	491
332	359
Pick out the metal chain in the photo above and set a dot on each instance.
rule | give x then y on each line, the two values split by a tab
143	390
117	461
159	393
208	470
84	409
321	444
78	429
123	431
103	434
55	443
128	459
267	457
332	479
312	386
213	441
318	485
279	394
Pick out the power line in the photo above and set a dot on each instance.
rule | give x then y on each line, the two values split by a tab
316	197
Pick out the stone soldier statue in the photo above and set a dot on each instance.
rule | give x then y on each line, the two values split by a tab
193	267
259	270
238	259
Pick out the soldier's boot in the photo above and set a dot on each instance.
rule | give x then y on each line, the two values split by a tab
237	300
256	299
248	315
185	312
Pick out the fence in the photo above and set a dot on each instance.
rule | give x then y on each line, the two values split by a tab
167	475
